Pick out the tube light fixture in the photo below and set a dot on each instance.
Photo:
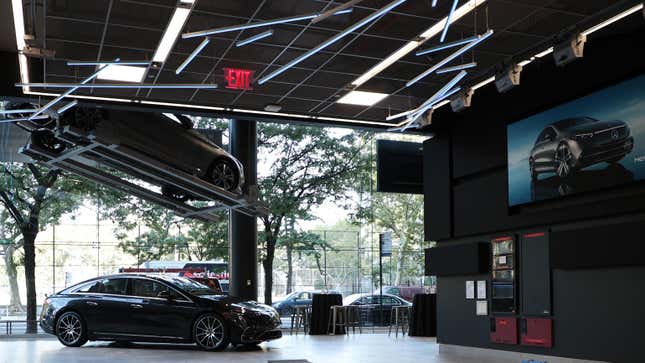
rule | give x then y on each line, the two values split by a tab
544	53
117	72
67	107
454	55
412	45
333	11
100	63
457	67
10	120
177	22
448	22
484	82
434	3
375	15
68	92
7	112
18	23
447	45
362	98
192	55
613	19
254	38
430	101
121	85
258	24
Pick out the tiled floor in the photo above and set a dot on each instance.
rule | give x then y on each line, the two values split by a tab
372	348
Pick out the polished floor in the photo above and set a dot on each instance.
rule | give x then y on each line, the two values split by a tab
372	348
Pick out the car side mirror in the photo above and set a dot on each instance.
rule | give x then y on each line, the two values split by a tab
164	295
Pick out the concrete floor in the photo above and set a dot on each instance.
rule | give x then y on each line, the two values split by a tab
372	348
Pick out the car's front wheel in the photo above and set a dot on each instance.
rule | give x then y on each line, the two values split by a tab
225	175
563	159
70	329
211	333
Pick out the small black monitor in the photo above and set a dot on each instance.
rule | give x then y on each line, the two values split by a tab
399	167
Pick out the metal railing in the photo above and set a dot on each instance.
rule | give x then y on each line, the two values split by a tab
11	324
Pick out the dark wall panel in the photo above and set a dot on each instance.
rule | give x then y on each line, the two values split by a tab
535	274
458	259
437	189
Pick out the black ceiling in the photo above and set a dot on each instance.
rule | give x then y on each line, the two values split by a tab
131	30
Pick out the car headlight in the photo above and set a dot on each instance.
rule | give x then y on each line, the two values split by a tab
238	309
583	137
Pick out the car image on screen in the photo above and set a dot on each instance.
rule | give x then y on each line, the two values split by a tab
571	144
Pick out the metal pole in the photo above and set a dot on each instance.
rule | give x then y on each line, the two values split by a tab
53	259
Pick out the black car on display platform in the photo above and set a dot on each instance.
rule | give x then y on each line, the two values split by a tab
571	144
156	308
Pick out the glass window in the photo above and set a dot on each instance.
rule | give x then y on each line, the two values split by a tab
105	286
149	288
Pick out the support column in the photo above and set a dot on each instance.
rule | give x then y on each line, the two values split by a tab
242	229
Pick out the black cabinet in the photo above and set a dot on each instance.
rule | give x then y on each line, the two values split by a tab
535	274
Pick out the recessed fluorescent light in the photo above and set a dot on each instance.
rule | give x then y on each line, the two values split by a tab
410	46
362	98
18	23
614	19
120	73
175	26
171	116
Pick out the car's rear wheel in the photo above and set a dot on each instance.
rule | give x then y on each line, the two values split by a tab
224	174
211	332
563	159
46	140
70	329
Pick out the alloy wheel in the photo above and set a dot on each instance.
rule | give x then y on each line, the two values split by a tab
69	329
209	332
563	158
223	175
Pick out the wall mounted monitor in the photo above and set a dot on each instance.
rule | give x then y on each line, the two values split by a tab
399	167
591	143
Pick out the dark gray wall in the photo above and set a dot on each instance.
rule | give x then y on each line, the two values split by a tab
597	310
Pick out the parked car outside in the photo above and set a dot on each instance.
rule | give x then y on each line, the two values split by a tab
569	145
405	292
377	308
286	305
155	308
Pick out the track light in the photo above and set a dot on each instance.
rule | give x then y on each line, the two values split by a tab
454	55
462	100
569	50
192	55
375	15
121	85
508	78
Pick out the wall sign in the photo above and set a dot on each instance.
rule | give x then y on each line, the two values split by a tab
239	79
470	290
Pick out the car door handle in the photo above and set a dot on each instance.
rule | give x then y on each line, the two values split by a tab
92	303
136	306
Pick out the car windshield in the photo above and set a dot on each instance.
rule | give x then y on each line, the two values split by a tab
190	286
570	122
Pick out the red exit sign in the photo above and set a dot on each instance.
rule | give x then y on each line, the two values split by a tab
237	78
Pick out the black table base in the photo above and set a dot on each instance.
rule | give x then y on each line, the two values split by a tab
423	322
320	313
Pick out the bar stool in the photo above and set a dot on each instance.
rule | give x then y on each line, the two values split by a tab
300	318
400	316
337	318
353	318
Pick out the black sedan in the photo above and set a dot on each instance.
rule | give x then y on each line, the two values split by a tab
167	138
155	308
574	143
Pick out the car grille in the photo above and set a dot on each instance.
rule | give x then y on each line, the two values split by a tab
611	135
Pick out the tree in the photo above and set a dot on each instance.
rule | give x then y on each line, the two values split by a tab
301	243
11	241
36	197
308	165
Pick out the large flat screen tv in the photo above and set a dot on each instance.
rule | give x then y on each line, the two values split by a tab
591	143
